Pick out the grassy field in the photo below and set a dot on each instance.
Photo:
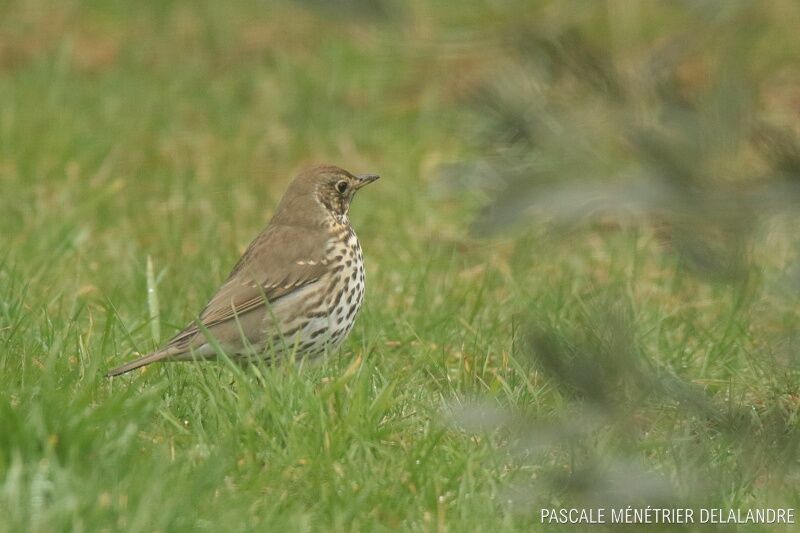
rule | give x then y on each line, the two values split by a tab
142	145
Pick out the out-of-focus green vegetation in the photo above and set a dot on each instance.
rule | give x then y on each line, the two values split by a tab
582	280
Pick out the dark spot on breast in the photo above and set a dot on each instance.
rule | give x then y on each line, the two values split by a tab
305	346
318	332
293	330
338	298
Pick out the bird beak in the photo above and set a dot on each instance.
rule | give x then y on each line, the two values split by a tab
365	179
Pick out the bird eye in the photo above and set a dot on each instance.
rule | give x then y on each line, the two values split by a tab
341	186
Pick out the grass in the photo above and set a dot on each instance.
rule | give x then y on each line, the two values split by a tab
143	147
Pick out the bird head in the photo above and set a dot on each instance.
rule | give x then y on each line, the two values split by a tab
320	193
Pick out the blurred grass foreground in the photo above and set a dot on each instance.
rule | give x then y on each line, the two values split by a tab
582	261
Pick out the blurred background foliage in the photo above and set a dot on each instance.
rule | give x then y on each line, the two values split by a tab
582	259
686	116
678	121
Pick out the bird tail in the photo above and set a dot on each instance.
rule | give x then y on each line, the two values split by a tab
158	355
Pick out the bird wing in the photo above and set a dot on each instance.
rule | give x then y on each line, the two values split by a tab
278	262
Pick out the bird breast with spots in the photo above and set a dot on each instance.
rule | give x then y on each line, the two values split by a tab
330	305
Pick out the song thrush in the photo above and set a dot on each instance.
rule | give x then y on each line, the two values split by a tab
297	288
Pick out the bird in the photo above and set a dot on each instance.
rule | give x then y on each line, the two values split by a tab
295	291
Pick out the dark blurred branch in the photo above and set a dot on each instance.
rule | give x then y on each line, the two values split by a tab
574	127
